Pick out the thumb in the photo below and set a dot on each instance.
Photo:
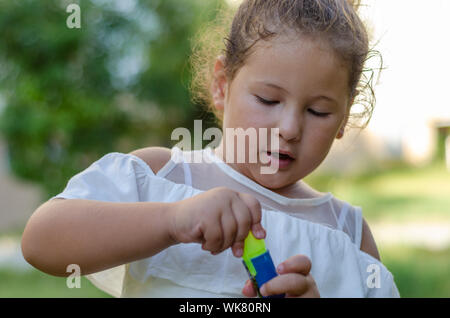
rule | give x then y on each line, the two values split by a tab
249	290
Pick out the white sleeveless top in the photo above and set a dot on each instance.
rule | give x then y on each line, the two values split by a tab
325	229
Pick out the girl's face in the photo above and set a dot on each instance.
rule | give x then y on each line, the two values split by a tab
298	86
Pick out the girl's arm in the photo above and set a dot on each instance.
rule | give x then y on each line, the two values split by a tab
95	235
98	235
368	244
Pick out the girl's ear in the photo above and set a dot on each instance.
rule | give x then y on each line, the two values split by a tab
219	85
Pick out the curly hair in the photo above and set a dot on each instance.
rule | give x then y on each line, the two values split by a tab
234	33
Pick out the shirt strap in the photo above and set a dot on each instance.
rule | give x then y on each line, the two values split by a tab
187	174
358	226
186	169
342	216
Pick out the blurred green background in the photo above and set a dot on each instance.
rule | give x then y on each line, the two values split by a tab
69	96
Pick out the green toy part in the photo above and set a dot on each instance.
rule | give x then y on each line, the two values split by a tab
252	248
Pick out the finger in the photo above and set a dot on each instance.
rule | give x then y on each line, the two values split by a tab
230	228
255	211
238	249
312	290
296	264
249	290
293	284
213	235
243	219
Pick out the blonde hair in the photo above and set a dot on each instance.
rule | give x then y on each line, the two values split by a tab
235	32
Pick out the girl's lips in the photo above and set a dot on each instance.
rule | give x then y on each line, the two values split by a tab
281	162
283	152
282	155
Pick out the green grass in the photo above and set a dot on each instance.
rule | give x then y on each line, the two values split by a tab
418	272
36	284
397	194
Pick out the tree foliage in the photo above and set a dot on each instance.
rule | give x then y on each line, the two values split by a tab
120	82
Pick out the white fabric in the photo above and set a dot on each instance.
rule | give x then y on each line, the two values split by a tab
311	226
358	227
342	216
187	174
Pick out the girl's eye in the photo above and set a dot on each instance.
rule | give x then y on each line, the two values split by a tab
266	102
318	114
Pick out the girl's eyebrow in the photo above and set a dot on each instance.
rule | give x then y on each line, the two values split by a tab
271	85
332	100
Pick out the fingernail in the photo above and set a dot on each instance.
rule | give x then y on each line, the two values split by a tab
239	252
280	269
259	234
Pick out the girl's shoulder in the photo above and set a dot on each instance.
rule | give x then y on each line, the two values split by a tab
154	157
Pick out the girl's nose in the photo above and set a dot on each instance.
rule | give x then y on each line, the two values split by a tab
290	125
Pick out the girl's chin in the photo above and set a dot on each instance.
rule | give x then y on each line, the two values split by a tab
275	181
272	180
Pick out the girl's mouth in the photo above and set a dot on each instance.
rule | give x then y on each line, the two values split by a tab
282	159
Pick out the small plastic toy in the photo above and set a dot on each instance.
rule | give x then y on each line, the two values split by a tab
258	263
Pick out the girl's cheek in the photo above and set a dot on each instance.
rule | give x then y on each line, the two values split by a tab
320	135
330	125
254	113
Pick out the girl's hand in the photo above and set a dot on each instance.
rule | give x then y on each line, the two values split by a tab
218	219
294	280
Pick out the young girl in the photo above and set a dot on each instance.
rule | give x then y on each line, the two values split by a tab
152	223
